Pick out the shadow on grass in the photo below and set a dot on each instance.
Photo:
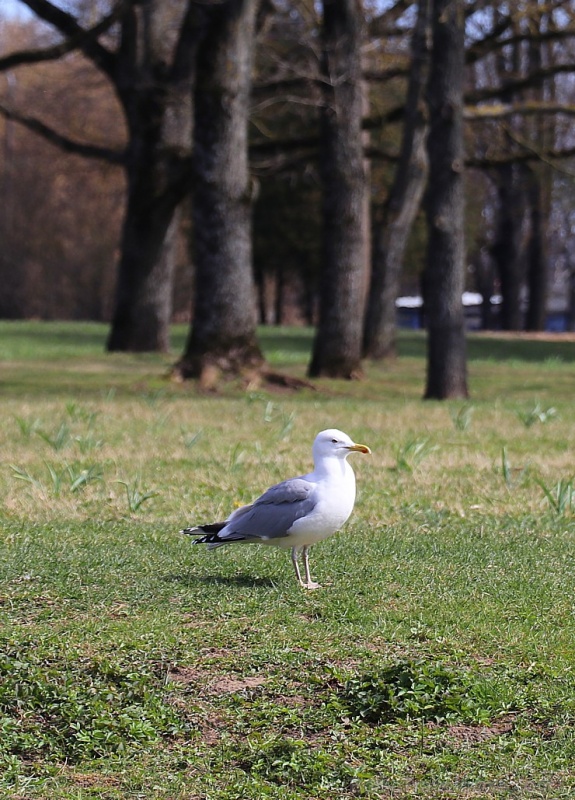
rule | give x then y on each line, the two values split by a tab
241	581
56	335
492	348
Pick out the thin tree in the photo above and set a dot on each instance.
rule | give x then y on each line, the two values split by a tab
222	336
337	344
444	272
509	247
540	178
403	203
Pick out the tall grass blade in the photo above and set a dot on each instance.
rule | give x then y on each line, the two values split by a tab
23	475
59	439
135	497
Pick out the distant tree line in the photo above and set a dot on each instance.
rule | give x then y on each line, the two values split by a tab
171	158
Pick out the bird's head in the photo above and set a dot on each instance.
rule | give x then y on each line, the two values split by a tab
336	443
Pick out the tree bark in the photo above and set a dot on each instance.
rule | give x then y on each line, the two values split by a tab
338	339
445	264
392	233
540	183
222	337
158	114
509	248
537	278
143	304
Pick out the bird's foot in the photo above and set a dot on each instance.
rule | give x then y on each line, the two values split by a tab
311	585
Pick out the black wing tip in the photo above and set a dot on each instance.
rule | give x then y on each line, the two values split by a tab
205	539
207	534
210	527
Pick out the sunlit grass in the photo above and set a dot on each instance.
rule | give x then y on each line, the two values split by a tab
179	673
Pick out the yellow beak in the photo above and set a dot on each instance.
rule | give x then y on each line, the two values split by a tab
359	448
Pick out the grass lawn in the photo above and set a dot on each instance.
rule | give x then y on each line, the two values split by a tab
436	662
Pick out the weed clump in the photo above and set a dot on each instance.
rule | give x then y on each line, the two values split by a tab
77	709
292	763
420	690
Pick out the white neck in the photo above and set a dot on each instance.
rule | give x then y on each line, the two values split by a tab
333	468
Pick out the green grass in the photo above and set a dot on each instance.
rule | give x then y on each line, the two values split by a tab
437	661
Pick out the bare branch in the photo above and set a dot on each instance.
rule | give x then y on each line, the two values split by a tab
504	110
63	142
519	84
73	42
528	156
488	46
489	43
277	147
385	24
69	26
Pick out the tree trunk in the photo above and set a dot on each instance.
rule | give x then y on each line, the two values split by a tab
571	308
391	235
143	307
445	265
537	257
261	299
223	331
540	183
485	277
279	298
508	249
337	344
153	80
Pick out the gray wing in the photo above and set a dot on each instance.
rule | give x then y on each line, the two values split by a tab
272	514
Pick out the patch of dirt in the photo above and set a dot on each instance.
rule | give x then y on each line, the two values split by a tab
231	685
90	780
221	685
475	734
185	675
211	733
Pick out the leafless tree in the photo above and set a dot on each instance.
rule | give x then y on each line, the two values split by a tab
223	332
402	203
445	263
337	345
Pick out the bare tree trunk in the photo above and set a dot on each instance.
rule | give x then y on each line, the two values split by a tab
261	300
537	279
158	114
223	331
540	182
280	283
392	233
337	344
571	307
444	276
485	276
143	306
508	249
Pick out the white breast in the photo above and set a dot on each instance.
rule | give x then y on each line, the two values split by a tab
336	498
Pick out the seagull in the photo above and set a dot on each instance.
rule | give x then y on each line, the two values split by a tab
298	512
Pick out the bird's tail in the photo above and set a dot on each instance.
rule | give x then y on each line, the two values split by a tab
210	532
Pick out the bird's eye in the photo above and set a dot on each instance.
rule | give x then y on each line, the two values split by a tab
334	441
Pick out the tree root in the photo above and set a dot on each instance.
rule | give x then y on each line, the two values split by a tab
269	377
210	375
